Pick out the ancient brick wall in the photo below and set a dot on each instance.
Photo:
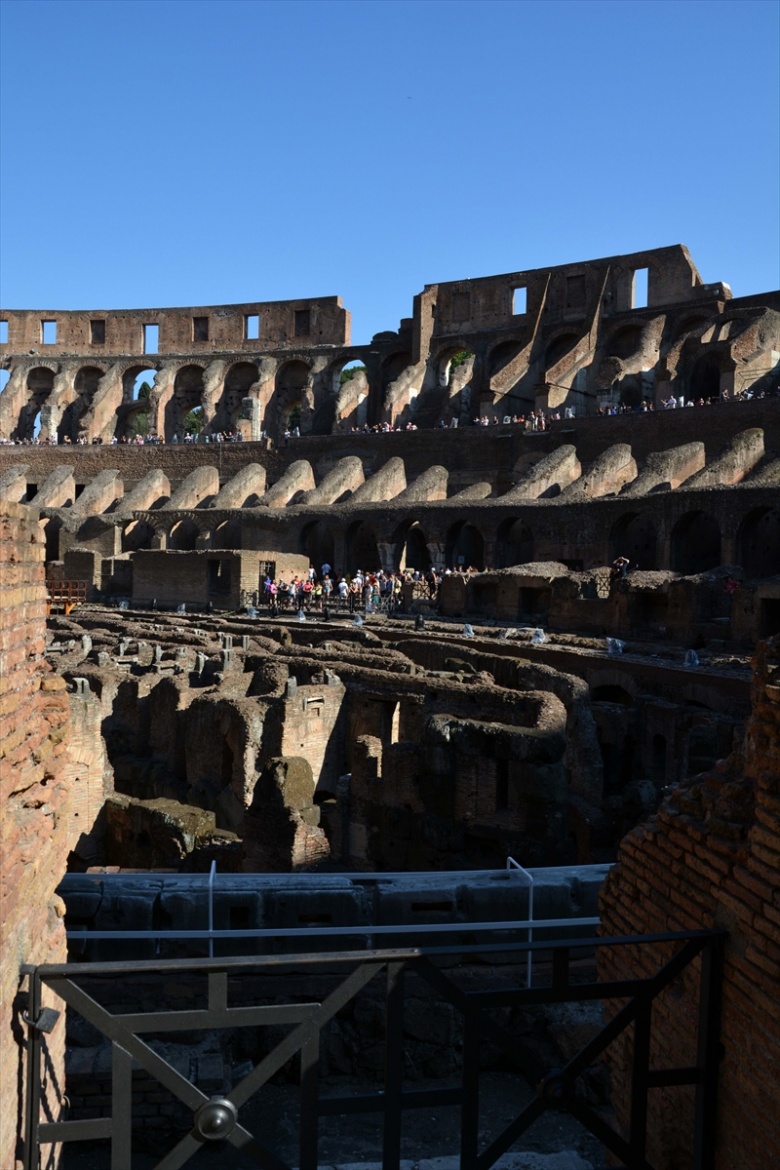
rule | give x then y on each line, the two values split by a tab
710	858
34	798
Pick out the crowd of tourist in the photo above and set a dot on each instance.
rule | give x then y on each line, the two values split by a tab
355	592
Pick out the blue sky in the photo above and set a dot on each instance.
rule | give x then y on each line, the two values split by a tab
187	152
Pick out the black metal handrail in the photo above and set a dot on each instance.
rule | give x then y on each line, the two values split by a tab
217	1117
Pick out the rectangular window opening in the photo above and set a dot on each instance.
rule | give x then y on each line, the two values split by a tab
48	332
97	332
519	301
3	333
251	327
200	328
151	338
639	289
302	322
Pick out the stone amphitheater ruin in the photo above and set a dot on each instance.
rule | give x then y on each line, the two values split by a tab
535	704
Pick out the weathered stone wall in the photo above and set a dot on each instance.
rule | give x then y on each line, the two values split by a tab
710	858
34	827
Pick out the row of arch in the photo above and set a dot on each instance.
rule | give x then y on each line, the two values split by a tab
695	542
305	399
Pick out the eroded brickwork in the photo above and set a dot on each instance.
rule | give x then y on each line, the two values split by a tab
710	858
34	798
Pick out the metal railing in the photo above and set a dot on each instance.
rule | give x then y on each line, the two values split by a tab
214	1001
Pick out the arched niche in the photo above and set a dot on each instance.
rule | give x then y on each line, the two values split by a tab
85	384
136	534
183	536
411	547
704	379
625	342
40	382
228	534
635	536
465	546
292	387
187	395
362	548
317	543
239	380
695	543
758	543
514	543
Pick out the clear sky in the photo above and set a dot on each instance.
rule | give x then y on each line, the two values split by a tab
195	152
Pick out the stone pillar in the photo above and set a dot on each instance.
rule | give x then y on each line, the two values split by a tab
35	801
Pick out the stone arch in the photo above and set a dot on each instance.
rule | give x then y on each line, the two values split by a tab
690	324
133	378
239	380
393	366
442	362
183	536
704	377
758	543
188	386
227	534
411	548
695	543
514	543
85	384
635	536
293	395
624	342
318	544
40	383
136	534
362	548
465	546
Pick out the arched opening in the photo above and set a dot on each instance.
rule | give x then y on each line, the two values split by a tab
631	390
411	548
704	381
695	544
239	380
227	535
40	382
362	549
134	417
345	372
187	397
465	547
317	544
758	543
635	536
450	360
393	367
625	342
183	536
292	382
5	378
137	534
85	384
514	544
